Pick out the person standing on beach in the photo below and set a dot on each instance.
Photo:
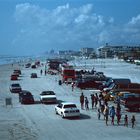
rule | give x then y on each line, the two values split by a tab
99	113
41	71
92	100
126	121
86	103
45	72
106	113
82	100
133	121
112	114
118	113
96	99
72	86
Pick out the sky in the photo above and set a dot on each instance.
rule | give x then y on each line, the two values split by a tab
37	26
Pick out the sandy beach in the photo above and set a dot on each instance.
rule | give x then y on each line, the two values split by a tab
39	121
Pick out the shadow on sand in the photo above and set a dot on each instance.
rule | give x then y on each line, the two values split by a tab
81	117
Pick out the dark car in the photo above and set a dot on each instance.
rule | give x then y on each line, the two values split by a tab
25	97
17	71
15	88
28	65
33	75
14	77
33	66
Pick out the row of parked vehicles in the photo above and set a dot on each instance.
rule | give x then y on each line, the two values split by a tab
25	97
108	85
65	109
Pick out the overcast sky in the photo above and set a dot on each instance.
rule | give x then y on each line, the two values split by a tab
36	26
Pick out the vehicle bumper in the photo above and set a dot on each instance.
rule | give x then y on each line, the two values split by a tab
76	114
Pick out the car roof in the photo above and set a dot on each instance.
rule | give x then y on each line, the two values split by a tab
15	84
67	103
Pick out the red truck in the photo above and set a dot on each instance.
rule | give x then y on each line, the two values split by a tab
68	74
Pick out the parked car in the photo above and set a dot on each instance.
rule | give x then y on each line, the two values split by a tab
89	84
67	109
33	66
15	88
33	75
14	77
17	71
48	97
132	103
25	97
28	65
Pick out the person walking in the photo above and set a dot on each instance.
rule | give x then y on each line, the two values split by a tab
99	113
86	103
92	100
106	113
96	99
82	100
112	114
126	121
41	71
45	72
133	121
72	86
118	113
101	95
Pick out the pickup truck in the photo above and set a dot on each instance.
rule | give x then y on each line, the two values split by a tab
132	103
89	84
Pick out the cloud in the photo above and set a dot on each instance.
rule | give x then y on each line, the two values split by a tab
66	27
135	20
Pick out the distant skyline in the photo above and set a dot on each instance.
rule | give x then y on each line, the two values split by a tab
37	26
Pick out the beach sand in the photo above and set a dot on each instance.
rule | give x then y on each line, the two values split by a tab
12	124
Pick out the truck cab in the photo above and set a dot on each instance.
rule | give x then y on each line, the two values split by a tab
68	74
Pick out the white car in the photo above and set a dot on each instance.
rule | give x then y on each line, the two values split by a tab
15	88
48	97
67	109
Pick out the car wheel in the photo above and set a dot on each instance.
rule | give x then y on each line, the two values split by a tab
56	112
62	115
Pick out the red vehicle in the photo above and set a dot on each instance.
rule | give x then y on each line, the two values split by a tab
14	77
68	74
132	103
89	85
53	64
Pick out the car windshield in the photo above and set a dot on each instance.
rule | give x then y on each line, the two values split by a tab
48	93
111	86
70	106
27	94
15	85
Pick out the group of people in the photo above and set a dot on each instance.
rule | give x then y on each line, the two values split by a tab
41	72
98	102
